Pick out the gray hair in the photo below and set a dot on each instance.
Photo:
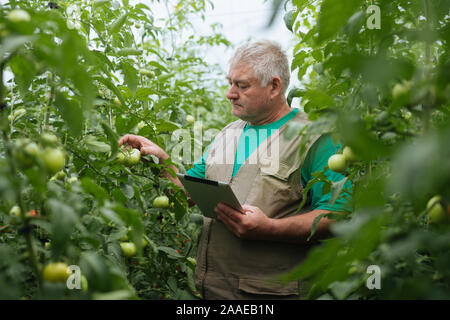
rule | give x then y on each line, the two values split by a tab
267	60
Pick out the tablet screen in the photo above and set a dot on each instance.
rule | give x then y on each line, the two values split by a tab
208	193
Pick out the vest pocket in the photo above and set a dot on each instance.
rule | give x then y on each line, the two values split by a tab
283	172
264	287
284	184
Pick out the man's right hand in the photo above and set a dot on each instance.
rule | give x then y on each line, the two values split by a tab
146	146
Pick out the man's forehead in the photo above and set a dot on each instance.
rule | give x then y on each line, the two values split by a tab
239	79
240	73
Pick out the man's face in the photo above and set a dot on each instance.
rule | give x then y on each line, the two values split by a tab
250	101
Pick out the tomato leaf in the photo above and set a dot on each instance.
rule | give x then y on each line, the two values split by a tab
95	190
71	112
171	253
11	44
118	23
113	139
95	145
333	15
130	76
63	219
336	189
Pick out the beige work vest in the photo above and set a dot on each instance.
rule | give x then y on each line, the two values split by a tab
229	267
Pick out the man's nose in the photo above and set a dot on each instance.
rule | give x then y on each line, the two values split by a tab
232	94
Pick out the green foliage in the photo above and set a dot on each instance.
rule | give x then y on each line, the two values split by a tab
74	69
386	94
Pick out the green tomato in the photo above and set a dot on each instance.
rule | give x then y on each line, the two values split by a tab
56	272
406	115
128	249
121	157
18	15
161	202
60	175
84	283
133	157
49	139
400	90
147	73
53	159
15	211
352	270
337	163
190	119
141	125
437	213
32	149
192	260
117	102
349	154
197	101
72	180
25	152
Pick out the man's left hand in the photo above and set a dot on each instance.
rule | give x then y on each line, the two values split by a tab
252	223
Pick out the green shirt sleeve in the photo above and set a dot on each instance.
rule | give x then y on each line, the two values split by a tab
199	168
316	160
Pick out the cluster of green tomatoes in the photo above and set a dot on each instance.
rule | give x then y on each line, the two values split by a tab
129	248
131	157
47	152
438	211
339	162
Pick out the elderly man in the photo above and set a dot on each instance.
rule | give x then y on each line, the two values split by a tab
239	251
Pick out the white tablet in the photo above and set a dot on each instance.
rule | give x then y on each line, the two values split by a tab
208	193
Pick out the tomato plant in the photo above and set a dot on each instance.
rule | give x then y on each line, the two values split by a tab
74	77
376	77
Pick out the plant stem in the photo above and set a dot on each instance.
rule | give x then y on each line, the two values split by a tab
427	105
89	164
171	28
25	221
2	87
49	102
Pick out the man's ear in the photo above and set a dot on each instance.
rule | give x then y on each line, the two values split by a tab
275	87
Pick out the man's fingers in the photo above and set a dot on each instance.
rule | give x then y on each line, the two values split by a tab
135	141
154	150
148	150
229	212
123	139
127	139
227	221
